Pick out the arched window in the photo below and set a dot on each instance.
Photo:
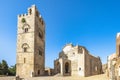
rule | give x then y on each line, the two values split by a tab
26	28
25	47
66	67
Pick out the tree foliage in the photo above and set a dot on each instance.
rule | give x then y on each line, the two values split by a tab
4	67
6	70
12	70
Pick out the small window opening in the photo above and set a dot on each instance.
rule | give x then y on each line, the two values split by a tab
25	46
40	52
26	30
40	35
24	60
25	49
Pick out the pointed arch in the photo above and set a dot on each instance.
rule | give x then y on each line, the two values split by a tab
26	27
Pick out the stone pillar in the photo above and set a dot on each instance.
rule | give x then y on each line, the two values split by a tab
61	67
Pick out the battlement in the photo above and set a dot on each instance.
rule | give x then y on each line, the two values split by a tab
32	11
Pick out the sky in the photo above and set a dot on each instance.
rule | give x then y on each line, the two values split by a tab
90	23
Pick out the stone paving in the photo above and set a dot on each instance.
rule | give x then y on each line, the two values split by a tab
96	77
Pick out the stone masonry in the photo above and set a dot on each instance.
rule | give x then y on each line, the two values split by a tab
30	44
77	61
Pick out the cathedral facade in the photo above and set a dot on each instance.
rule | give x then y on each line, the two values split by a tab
77	61
30	44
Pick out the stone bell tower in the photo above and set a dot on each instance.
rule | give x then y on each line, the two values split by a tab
30	44
118	44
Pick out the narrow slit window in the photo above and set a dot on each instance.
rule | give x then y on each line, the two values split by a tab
24	60
40	52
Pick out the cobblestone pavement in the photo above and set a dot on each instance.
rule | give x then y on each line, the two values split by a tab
96	77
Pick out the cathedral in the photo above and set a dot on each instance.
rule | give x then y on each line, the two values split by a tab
30	54
77	61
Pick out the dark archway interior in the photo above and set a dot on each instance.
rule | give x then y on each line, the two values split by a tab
66	67
38	72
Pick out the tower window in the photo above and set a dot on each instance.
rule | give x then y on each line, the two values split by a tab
40	35
25	47
24	60
40	52
26	30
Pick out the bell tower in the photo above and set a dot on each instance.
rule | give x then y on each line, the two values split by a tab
118	45
30	44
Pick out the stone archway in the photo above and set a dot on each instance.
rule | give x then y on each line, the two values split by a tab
67	67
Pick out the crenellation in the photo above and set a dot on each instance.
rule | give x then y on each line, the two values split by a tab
28	55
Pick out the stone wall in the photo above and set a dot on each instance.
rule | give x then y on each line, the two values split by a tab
82	63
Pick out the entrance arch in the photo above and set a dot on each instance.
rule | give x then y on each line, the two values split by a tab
67	67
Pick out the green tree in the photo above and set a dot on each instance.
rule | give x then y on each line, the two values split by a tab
4	67
12	70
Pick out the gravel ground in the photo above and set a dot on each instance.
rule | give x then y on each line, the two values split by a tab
96	77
